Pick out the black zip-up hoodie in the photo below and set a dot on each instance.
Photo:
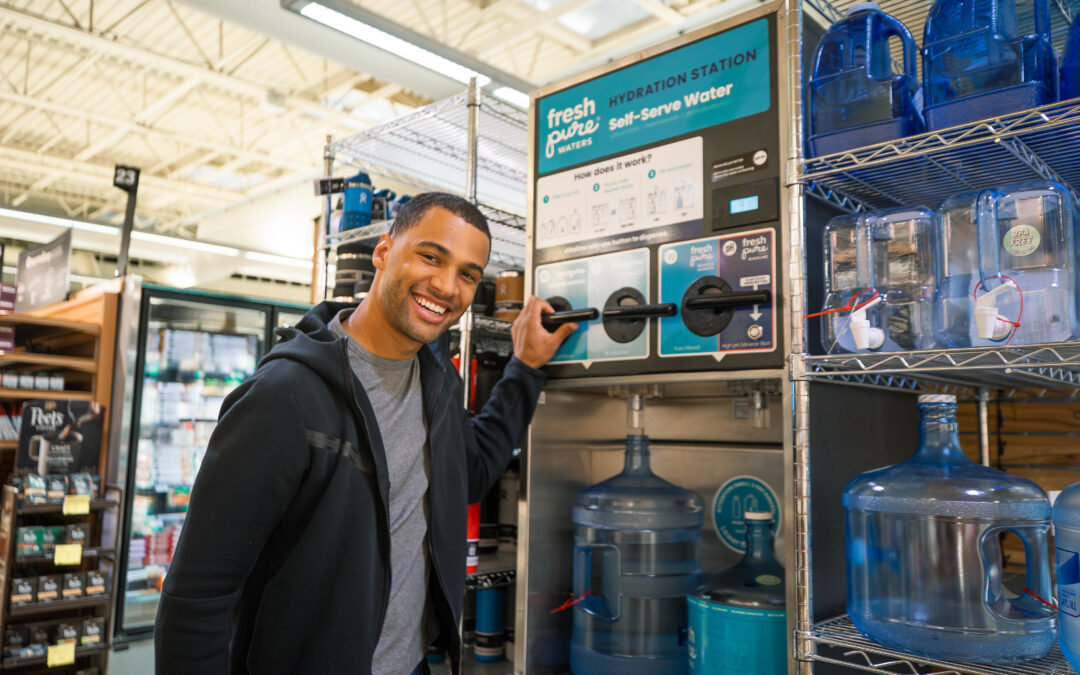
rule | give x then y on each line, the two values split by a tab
283	562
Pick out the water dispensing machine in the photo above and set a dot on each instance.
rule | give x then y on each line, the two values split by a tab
657	221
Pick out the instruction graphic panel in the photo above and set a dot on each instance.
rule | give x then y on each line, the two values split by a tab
647	197
732	263
591	283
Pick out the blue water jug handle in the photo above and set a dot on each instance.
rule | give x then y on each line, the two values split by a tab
1037	586
602	601
896	28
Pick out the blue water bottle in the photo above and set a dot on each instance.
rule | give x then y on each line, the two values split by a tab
1070	64
357	211
1067	543
977	63
855	98
737	616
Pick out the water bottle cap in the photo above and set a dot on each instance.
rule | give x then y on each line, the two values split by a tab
758	515
862	7
937	398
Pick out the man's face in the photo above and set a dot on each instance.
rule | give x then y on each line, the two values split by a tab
429	273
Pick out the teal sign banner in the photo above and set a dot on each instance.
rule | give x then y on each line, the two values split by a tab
709	82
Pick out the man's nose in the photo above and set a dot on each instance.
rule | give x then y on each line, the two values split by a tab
443	283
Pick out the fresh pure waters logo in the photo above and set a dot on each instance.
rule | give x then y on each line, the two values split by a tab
571	127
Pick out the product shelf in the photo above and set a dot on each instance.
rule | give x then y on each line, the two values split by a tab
34	394
26	508
848	647
80	652
50	607
428	148
1035	370
47	558
493	570
35	324
48	361
1040	143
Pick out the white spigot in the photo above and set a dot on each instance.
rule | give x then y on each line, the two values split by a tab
989	325
864	335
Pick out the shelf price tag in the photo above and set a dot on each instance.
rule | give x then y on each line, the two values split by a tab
68	554
60	655
76	505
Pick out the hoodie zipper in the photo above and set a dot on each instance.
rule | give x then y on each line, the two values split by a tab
386	507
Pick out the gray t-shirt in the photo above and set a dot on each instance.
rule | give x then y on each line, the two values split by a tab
394	390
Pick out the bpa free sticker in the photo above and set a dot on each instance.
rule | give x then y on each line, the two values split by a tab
1021	240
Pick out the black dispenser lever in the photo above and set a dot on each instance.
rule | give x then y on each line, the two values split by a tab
570	316
640	311
731	299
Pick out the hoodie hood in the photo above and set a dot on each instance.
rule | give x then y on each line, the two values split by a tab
312	343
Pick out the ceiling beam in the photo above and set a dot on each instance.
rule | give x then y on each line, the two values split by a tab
528	26
660	11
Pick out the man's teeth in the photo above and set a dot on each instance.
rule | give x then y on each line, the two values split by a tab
429	305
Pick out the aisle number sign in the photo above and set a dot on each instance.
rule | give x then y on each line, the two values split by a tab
705	83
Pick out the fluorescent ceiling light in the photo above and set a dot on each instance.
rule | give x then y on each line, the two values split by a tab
278	259
59	222
392	44
185	243
512	96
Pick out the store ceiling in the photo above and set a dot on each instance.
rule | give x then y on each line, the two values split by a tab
226	102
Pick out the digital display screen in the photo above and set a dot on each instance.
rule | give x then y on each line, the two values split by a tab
744	204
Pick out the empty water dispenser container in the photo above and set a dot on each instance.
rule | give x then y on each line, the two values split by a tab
857	95
1009	267
979	62
636	542
924	558
880	280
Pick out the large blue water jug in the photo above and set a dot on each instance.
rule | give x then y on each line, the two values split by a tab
738	621
855	96
636	542
1009	267
1067	543
1070	64
977	62
924	559
357	210
881	274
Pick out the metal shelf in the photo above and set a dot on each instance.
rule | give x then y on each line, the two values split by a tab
845	645
470	666
1040	143
493	570
428	149
1035	370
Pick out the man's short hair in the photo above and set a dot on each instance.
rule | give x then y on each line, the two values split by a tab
412	212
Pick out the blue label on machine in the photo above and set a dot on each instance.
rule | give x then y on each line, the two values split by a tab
745	261
709	82
725	640
590	283
733	500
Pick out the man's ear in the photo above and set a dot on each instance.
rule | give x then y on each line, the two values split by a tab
382	252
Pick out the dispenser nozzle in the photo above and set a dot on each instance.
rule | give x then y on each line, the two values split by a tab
987	323
864	335
635	414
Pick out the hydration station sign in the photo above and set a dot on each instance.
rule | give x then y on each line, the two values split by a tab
716	80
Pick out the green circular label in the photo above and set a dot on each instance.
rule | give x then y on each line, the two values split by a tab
768	580
734	498
1021	240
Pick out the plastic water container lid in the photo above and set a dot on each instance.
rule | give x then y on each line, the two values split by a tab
862	7
758	515
937	398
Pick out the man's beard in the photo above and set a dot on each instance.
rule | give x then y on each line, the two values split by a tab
396	300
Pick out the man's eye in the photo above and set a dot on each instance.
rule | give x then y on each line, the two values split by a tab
428	257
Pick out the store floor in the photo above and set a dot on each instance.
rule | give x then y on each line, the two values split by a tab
138	659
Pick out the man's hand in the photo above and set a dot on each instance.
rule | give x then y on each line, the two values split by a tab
533	344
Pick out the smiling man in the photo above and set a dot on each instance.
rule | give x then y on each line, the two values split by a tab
326	531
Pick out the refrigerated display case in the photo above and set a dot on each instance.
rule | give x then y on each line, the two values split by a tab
194	349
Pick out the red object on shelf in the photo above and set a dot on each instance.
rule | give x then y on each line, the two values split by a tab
472	536
456	360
